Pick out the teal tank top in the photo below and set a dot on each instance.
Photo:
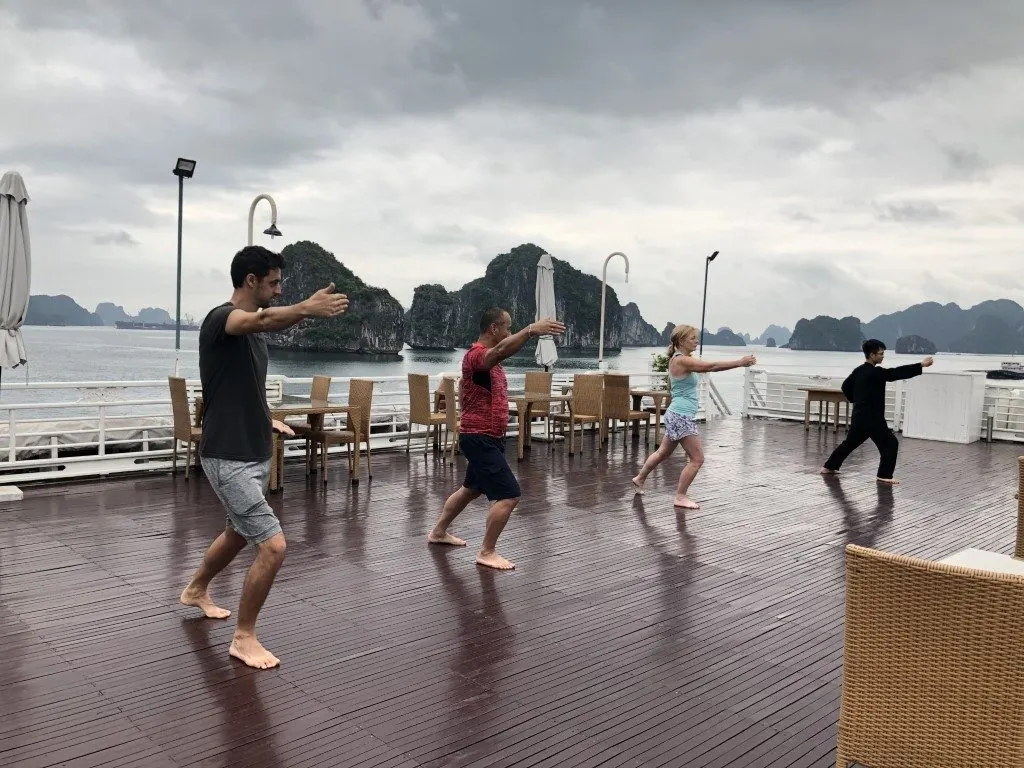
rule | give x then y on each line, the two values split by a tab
685	400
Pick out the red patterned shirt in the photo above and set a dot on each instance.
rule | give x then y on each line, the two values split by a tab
484	395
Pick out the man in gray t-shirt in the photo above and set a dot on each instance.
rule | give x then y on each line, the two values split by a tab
237	431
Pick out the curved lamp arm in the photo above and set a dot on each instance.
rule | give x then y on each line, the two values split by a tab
272	230
604	280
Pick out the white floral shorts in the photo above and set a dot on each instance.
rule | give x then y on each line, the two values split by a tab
678	426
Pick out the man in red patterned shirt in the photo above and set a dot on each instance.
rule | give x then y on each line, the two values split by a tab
484	393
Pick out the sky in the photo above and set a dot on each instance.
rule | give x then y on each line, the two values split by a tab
844	156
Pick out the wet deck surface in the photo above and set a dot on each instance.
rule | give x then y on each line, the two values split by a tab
629	635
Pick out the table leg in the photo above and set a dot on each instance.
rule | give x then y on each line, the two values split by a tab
274	479
837	416
522	429
807	413
528	437
821	406
356	445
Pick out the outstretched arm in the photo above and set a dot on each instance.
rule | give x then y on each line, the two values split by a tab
512	344
683	364
323	303
906	371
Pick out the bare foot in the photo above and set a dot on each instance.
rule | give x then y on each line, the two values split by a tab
248	650
685	502
446	538
494	560
825	471
638	486
201	600
888	480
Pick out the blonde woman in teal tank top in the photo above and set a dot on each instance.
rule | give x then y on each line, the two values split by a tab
680	418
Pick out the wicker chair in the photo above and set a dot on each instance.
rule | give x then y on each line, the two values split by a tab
1018	550
617	406
360	393
419	409
451	420
587	391
539	382
319	392
932	664
183	430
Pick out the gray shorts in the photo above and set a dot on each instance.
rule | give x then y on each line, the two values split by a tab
678	426
241	487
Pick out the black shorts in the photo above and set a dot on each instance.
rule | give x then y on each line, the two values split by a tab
488	472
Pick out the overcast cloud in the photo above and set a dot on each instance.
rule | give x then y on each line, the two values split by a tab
844	157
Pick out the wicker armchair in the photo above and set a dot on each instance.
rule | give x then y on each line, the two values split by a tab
451	417
932	664
539	382
183	430
356	432
318	392
617	406
1018	550
420	411
587	391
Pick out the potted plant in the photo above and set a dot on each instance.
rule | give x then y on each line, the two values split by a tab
659	365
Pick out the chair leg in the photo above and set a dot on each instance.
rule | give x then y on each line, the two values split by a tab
369	467
426	439
323	462
408	437
188	457
174	456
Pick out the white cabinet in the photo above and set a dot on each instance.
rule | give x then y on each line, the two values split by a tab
945	406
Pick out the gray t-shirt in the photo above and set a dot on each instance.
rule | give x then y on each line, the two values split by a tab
233	369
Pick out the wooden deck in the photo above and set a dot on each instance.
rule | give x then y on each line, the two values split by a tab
629	635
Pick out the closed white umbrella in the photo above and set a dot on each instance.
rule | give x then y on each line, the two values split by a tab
15	269
547	352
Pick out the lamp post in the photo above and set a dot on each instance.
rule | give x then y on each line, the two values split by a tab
604	280
183	169
272	230
704	304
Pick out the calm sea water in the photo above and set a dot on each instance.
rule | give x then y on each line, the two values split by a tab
109	354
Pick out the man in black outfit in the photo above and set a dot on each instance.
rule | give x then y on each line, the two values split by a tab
865	388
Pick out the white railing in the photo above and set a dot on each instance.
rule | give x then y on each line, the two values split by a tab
767	394
126	426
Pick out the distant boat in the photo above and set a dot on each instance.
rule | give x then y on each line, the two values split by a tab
134	325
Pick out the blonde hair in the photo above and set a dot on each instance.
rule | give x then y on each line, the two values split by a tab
679	333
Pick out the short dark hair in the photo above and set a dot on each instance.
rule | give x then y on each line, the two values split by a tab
254	260
489	317
871	346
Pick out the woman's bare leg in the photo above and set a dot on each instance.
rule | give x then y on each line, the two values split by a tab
695	453
664	451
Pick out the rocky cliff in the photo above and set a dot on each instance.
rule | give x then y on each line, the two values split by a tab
950	327
827	334
58	310
374	322
634	330
111	313
429	322
440	319
914	345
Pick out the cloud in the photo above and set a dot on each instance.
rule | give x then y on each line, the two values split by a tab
118	238
416	139
911	211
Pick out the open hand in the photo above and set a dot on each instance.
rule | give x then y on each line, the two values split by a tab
326	303
281	428
547	328
927	361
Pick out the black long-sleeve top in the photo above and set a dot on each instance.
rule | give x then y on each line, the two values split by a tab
865	387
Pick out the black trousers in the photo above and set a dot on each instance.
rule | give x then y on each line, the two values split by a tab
879	433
